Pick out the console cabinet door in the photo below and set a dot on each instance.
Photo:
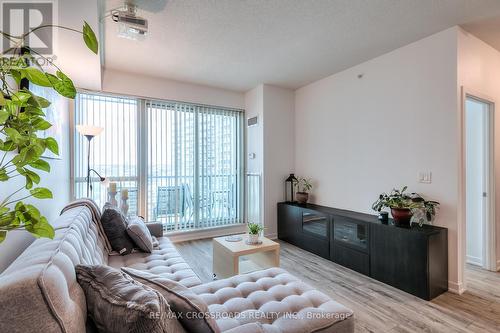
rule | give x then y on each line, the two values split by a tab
398	257
315	224
289	224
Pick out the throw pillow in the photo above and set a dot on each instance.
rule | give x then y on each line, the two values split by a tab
139	232
116	303
114	224
191	311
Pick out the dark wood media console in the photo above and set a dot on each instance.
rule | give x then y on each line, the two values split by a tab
413	259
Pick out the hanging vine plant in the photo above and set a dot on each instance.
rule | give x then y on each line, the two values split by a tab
22	120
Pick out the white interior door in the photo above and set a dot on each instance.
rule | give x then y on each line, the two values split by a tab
478	114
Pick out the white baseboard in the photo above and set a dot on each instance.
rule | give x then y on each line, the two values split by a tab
456	288
474	261
206	233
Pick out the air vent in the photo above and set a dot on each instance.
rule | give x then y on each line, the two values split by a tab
252	121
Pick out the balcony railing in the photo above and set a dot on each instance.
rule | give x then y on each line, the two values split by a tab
172	201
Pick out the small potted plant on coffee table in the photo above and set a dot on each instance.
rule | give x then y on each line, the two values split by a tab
304	186
404	205
254	230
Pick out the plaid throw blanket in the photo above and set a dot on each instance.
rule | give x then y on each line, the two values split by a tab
96	218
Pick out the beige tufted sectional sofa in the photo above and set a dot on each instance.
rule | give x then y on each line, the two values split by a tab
39	291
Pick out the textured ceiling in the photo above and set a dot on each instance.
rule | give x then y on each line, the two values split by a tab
239	44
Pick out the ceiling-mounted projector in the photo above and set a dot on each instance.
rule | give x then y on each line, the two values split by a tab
130	25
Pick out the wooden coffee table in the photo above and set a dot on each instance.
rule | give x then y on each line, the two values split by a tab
233	258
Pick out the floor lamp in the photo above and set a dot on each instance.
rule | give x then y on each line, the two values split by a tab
90	132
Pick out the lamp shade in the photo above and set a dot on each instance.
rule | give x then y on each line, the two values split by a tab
89	130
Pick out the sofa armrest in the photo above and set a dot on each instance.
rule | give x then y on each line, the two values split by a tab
155	228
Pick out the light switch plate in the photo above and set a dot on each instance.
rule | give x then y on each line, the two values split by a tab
425	177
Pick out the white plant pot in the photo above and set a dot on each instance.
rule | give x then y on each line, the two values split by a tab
253	239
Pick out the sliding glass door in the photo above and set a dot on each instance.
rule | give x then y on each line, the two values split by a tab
194	165
171	164
187	164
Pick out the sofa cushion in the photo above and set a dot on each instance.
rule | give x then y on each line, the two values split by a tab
164	261
190	308
271	301
114	224
139	232
119	304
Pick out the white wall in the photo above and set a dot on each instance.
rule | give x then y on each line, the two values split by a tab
150	87
357	137
279	105
272	143
73	56
254	107
479	73
475	132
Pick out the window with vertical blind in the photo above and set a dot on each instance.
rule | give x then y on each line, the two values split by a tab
181	163
114	153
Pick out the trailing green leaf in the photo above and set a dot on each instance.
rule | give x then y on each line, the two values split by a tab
36	76
52	145
89	38
62	84
41	193
40	165
41	124
3	175
13	134
38	101
41	229
4	115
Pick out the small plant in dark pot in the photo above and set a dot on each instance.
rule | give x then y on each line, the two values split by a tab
304	186
404	206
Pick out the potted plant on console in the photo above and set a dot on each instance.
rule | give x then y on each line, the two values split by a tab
404	206
304	186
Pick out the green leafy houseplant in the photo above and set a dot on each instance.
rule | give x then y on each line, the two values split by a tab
22	119
255	228
404	206
304	186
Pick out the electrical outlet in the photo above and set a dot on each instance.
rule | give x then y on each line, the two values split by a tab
425	177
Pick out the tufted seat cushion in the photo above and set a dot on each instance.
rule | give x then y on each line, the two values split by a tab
272	301
164	261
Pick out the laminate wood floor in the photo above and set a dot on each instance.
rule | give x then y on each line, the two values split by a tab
378	307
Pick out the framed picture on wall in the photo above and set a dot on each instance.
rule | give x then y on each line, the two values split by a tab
54	114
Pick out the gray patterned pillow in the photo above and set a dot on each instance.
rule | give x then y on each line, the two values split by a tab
189	308
139	232
118	304
114	224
